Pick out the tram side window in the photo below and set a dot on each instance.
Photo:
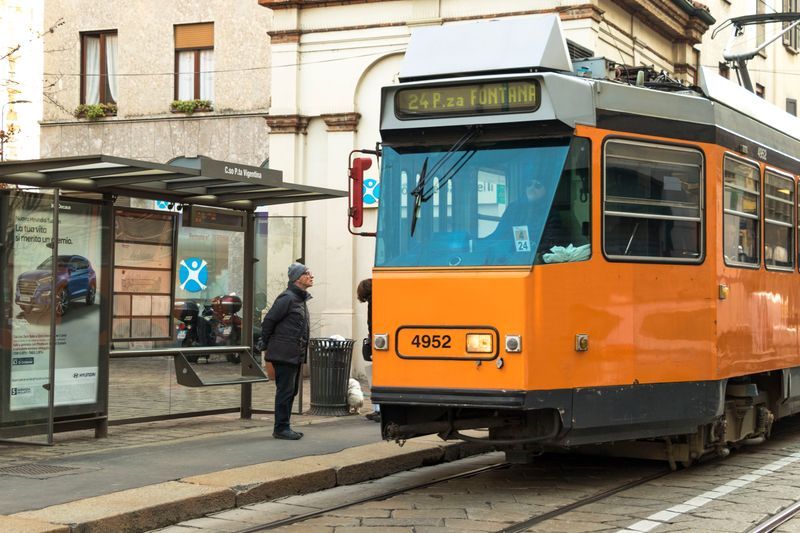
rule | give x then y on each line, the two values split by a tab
778	221
742	189
653	202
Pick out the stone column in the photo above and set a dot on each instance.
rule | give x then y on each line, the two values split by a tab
339	262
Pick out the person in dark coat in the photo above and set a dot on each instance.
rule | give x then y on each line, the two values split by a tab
364	293
284	335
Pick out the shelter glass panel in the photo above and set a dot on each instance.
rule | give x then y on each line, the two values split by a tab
143	271
35	286
208	288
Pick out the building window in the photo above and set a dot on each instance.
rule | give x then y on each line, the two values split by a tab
99	67
778	221
741	213
653	202
791	39
194	61
761	91
791	106
725	71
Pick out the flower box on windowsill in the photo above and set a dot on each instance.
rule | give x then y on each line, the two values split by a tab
191	106
95	111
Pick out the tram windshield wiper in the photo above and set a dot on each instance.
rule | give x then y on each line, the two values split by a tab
420	193
417	194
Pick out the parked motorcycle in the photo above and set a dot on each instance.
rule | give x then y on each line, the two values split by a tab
224	322
191	328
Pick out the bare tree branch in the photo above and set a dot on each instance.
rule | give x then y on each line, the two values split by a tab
36	35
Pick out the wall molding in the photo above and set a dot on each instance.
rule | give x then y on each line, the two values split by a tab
288	124
341	121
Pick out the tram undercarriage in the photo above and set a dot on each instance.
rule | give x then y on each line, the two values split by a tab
744	417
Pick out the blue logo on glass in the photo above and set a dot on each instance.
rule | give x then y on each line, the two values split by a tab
162	204
193	274
372	191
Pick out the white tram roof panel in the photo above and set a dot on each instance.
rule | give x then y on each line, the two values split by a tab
507	45
727	93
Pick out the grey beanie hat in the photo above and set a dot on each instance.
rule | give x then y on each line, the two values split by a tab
295	271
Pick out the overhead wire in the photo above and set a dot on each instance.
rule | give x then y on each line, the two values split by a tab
249	69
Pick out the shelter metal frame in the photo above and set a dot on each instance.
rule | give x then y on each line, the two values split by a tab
216	183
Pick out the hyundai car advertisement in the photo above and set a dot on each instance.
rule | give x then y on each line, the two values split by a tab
73	293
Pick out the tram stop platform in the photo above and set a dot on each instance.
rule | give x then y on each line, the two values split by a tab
151	475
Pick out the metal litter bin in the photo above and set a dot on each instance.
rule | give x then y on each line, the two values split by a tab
330	374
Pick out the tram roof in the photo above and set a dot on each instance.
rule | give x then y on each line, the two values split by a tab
215	183
502	45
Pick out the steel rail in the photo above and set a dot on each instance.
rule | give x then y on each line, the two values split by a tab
520	526
312	514
773	522
526	524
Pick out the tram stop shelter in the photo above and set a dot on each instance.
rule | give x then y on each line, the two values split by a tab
87	277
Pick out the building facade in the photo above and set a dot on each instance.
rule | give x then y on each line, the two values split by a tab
116	70
774	71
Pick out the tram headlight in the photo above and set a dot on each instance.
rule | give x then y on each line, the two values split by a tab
380	341
513	343
479	343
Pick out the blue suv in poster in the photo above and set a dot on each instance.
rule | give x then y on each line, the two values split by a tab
75	280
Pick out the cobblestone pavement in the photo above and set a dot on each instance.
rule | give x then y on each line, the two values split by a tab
729	495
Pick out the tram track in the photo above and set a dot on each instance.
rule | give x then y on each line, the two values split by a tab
532	521
517	527
773	522
375	497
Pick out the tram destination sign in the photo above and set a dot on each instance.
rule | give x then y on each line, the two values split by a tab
516	96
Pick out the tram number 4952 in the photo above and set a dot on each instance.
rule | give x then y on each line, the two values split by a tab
431	341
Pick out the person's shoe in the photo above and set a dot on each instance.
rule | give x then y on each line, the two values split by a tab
287	434
375	416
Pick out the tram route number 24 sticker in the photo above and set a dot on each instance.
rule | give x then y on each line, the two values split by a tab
522	240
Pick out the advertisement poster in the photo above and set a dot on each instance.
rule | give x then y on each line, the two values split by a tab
76	299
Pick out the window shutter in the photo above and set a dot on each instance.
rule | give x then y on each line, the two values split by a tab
189	36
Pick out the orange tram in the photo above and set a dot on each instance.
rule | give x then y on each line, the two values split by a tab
567	260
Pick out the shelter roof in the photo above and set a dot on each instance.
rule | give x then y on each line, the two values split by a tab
215	183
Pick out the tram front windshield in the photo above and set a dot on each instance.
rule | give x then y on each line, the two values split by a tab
478	206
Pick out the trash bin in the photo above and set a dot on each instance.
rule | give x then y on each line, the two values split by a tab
330	374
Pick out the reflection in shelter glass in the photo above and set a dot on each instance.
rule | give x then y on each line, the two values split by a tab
208	288
143	270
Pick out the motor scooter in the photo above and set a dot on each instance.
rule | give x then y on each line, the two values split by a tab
224	322
191	329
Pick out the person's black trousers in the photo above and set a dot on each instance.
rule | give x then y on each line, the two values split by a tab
287	379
